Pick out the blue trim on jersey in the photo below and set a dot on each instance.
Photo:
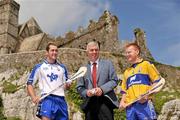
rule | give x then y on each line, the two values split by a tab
31	77
156	81
138	79
150	62
45	61
65	70
122	92
135	64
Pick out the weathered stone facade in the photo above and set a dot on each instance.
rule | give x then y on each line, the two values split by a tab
30	41
104	31
140	39
9	11
29	36
15	68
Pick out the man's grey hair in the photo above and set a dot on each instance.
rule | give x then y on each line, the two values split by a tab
94	43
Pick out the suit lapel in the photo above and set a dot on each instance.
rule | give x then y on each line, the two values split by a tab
99	70
89	73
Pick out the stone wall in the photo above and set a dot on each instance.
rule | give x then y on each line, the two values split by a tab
15	68
73	58
9	11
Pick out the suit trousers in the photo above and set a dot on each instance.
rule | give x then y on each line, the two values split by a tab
99	108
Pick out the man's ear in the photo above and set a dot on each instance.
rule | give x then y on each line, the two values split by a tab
137	52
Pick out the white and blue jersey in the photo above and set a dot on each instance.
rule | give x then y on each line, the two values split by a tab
50	76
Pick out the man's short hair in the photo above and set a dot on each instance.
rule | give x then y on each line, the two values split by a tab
92	43
134	45
50	43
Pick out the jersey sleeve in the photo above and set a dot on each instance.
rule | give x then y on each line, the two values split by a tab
65	77
65	74
34	75
153	73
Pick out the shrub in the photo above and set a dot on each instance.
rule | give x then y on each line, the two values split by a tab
8	87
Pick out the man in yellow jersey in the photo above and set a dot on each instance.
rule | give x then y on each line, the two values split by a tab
138	79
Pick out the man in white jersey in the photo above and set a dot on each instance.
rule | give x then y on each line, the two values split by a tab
50	74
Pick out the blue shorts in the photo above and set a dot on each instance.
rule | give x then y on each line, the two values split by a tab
54	107
138	111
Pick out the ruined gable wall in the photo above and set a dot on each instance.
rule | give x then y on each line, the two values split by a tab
105	32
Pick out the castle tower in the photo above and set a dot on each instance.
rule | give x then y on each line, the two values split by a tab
140	39
9	11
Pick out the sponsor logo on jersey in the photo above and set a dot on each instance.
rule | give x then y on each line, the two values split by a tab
133	81
52	77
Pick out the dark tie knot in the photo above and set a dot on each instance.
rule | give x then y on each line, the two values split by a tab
94	64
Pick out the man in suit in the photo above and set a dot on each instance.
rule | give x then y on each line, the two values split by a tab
96	87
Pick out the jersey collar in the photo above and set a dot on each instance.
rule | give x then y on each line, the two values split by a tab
135	64
45	61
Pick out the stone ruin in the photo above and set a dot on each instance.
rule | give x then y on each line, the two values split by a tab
19	38
15	37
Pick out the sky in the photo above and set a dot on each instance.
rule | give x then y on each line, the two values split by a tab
160	19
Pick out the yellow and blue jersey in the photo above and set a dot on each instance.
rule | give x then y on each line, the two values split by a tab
138	80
